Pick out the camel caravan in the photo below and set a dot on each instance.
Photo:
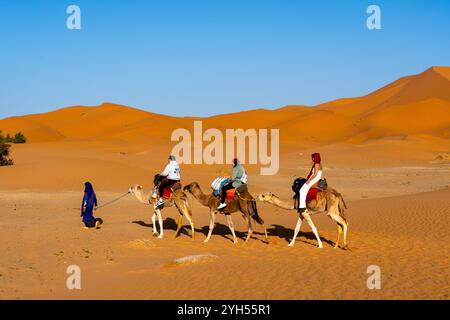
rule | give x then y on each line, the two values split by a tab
311	196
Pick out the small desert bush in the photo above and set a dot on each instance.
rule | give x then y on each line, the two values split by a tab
4	152
19	138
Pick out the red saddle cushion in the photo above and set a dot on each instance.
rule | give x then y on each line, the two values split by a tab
230	195
167	192
312	194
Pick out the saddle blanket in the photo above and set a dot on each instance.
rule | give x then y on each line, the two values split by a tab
218	183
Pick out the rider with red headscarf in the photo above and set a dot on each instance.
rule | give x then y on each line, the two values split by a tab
315	174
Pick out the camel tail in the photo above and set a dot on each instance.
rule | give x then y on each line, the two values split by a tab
254	212
342	206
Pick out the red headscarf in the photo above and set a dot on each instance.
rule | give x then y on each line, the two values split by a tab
316	157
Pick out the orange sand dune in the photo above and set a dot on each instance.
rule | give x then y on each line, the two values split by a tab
410	105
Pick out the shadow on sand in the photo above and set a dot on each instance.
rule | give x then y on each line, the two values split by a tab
219	229
288	233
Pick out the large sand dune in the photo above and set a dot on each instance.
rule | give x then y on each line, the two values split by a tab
411	105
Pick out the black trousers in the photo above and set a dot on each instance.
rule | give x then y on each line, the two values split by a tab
226	187
165	184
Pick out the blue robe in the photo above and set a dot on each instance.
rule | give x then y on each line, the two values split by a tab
89	200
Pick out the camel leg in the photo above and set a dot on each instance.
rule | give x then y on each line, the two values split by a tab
180	221
155	231
336	245
231	226
191	222
161	233
184	210
250	229
265	232
342	225
345	234
313	228
296	231
212	222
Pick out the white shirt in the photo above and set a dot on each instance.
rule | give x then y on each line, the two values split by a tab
318	176
172	171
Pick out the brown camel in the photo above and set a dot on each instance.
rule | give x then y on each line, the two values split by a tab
244	202
329	201
179	199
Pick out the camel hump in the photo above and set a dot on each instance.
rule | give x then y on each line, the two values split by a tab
176	186
242	188
322	183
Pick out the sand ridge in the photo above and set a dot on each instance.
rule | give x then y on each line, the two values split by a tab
424	100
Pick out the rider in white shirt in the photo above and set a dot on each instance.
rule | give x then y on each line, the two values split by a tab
315	174
172	174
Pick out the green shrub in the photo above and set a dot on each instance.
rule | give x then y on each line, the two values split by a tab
4	152
19	138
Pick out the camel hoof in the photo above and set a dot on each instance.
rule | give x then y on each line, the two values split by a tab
290	245
160	236
235	242
320	247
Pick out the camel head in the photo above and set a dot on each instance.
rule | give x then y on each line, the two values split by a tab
191	187
266	196
133	189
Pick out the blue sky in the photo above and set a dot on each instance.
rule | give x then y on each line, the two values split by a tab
201	57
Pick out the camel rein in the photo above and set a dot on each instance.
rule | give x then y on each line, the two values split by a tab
239	196
112	201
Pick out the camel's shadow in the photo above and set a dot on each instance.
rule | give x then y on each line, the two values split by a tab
288	233
168	224
219	229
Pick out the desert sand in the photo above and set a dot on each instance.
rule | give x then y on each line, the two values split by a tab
387	153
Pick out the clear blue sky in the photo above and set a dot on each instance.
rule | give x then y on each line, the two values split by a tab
196	57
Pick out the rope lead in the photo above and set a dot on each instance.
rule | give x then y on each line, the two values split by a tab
112	201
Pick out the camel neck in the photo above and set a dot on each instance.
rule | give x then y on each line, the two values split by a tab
285	204
200	196
144	198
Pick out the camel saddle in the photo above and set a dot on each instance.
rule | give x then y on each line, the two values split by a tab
231	193
313	191
312	194
167	192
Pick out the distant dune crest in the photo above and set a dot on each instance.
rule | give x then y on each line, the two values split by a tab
418	104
